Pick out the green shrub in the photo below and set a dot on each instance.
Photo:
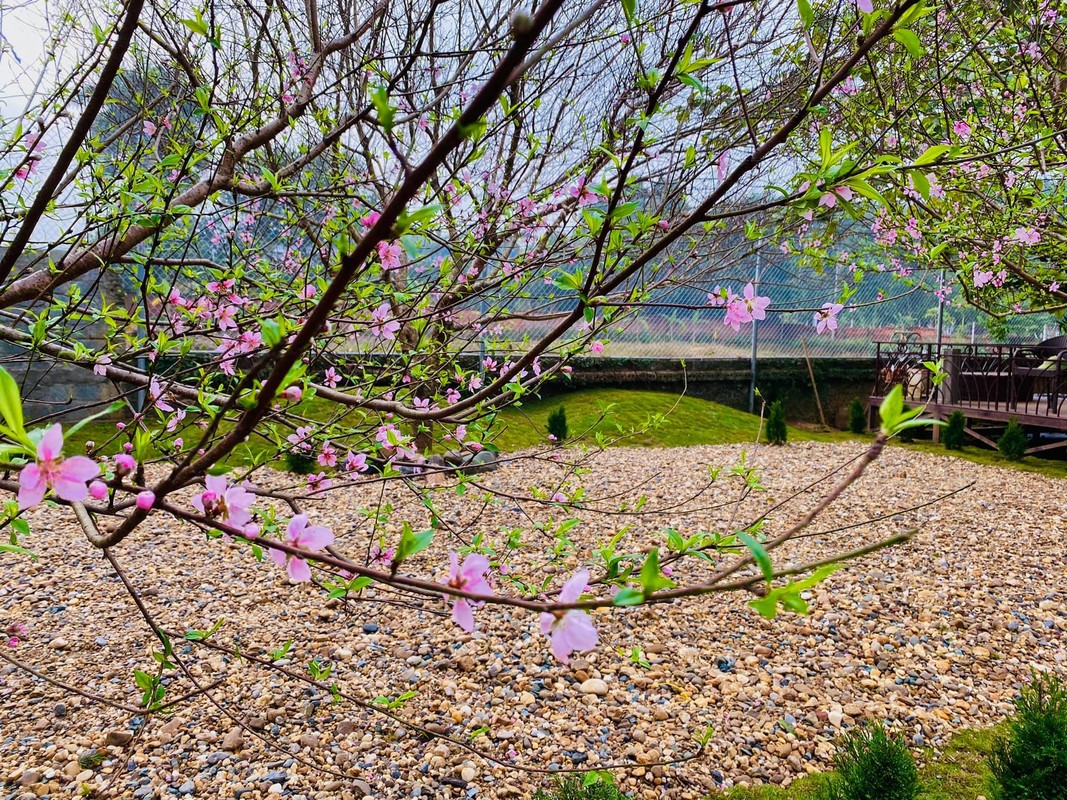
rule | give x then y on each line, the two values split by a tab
1029	762
299	463
776	429
557	424
857	416
1012	444
873	765
571	788
953	434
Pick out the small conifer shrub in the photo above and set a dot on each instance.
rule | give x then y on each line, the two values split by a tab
1012	443
777	433
557	424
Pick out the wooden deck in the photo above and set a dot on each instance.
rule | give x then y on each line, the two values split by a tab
988	384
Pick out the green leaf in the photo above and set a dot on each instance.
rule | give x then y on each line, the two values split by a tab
931	154
807	16
652	580
789	594
11	403
921	184
118	405
625	210
910	41
412	543
759	554
629	8
424	214
628	597
379	97
890	409
273	331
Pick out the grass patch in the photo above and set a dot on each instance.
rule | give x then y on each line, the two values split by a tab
655	419
958	773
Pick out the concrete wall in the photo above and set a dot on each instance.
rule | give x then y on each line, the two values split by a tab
726	381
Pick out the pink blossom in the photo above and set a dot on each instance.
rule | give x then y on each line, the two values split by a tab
65	476
309	537
370	219
961	129
219	500
389	254
98	490
597	347
328	455
982	278
101	365
125	463
723	165
157	395
1027	236
331	378
174	421
382	324
826	319
145	500
470	578
381	558
570	631
149	128
293	394
356	462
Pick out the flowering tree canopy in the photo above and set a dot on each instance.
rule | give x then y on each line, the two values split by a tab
282	235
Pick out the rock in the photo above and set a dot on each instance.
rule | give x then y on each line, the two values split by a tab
362	789
29	778
467	774
118	738
234	740
594	686
59	643
527	699
59	710
835	718
187	788
370	627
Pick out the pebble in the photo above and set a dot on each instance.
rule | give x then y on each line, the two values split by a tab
594	686
931	637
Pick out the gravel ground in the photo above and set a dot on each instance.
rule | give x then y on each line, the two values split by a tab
933	636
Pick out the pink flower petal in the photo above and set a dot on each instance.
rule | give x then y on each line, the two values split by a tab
79	468
316	537
51	443
278	557
31	486
70	489
574	587
463	614
299	571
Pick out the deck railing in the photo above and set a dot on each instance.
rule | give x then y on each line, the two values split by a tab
1021	379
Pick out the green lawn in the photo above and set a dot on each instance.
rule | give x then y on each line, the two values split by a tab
637	418
628	417
958	773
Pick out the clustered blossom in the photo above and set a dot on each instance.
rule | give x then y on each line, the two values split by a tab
67	477
468	577
740	309
570	631
228	504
